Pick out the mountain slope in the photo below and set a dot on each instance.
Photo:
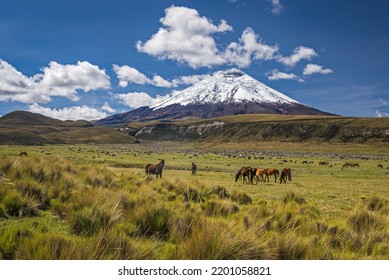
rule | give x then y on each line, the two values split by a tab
224	93
262	128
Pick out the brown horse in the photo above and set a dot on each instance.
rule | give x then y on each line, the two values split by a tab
155	168
286	174
271	171
258	173
245	172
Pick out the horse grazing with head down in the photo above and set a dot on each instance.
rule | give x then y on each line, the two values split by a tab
286	174
271	171
258	173
155	168
245	172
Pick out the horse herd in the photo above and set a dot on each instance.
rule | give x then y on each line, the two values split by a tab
262	175
247	173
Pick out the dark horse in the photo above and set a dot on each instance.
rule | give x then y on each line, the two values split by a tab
286	174
194	168
155	168
245	172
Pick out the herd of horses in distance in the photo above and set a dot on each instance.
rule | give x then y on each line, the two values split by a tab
247	173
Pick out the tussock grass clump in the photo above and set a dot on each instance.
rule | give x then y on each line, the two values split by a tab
89	221
115	245
291	247
182	226
293	197
378	205
362	220
221	192
215	240
100	177
10	239
152	220
241	198
17	205
216	208
46	246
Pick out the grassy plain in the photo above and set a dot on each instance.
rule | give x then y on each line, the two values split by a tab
95	202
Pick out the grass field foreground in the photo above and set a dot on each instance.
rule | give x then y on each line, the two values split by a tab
95	202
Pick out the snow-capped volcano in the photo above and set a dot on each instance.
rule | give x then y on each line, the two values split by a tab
224	93
230	86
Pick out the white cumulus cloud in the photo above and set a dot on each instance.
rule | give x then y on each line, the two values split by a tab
137	99
381	114
276	6
315	69
69	113
56	80
277	75
249	48
161	82
189	80
186	37
299	53
127	74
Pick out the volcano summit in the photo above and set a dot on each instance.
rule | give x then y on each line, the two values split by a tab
224	93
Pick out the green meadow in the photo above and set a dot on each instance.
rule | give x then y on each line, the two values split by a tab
95	202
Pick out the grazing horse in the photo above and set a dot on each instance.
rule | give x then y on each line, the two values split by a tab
23	154
194	168
350	164
155	168
258	173
271	171
245	172
286	174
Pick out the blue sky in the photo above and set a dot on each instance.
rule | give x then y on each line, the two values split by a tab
93	58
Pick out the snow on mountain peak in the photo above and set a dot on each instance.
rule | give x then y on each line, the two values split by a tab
230	86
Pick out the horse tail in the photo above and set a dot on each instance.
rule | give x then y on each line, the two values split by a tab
147	168
290	175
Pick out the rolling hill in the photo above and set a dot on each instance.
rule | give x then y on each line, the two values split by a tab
26	128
